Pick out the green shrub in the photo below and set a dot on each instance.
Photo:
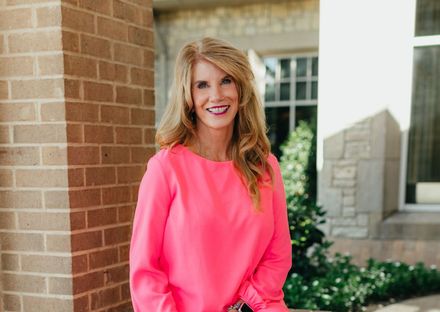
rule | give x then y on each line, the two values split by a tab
316	281
299	175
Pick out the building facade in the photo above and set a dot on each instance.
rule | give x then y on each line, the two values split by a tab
360	68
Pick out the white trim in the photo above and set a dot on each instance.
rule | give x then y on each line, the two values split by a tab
421	208
426	41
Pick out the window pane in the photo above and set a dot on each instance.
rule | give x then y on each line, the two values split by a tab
285	91
307	114
278	123
269	95
424	134
285	68
315	66
271	65
314	90
301	88
428	17
301	67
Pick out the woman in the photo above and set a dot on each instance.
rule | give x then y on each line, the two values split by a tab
210	230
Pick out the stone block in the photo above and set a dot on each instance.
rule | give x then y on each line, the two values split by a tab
348	212
378	135
348	201
357	150
362	220
344	172
353	232
331	200
370	185
334	146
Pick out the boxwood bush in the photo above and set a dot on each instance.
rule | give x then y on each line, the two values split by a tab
318	281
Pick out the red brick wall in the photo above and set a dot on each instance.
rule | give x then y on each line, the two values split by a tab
34	221
76	130
108	66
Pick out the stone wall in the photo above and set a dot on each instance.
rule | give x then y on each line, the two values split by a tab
76	130
358	185
283	27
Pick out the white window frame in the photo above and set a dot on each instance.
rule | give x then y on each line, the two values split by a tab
293	103
420	41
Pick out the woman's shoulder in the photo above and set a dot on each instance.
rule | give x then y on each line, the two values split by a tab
166	154
272	160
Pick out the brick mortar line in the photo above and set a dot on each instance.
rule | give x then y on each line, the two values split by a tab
22	294
10	7
32	273
72	30
106	82
99	14
36	210
75	144
34	101
35	253
102	228
31	54
33	29
21	231
32	122
121	105
138	5
112	266
84	209
35	78
111	61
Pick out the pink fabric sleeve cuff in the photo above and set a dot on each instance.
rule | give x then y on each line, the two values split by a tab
249	294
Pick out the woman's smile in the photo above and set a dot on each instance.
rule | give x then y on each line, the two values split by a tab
218	110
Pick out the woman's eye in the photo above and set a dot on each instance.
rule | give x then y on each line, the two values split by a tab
226	80
202	85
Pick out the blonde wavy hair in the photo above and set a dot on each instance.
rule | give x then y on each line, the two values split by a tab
249	145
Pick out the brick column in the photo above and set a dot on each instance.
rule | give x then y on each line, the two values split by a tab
76	129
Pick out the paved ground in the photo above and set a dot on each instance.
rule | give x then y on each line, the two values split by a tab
421	304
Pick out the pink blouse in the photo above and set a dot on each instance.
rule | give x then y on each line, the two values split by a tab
198	245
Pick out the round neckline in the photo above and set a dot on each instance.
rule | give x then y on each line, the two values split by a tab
185	148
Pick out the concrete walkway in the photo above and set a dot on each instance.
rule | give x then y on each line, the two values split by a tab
420	304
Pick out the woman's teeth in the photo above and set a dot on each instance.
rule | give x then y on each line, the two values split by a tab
218	110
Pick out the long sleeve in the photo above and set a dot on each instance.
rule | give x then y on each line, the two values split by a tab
263	290
148	282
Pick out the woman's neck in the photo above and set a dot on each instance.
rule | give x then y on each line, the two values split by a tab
213	145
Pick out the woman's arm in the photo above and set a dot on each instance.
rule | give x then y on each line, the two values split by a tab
263	290
148	283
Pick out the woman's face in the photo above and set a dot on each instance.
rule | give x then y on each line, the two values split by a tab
215	97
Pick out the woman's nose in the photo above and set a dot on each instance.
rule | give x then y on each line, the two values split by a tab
216	94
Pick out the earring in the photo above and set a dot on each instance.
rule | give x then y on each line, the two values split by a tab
192	114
